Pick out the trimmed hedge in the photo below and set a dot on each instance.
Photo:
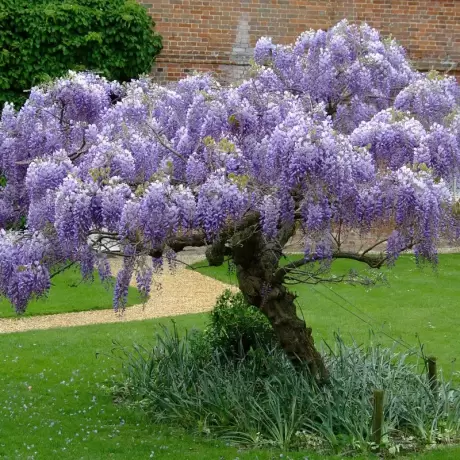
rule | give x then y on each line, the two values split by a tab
43	39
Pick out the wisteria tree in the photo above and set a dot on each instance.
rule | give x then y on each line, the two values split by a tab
333	134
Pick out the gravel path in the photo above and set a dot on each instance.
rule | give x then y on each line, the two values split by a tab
183	292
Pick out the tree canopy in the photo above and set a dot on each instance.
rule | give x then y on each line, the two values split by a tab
334	133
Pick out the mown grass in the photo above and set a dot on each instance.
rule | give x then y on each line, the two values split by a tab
53	403
69	294
416	304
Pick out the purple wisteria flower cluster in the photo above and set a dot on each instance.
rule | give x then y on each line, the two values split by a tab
336	131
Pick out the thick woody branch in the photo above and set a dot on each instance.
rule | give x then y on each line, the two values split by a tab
372	260
78	153
196	240
317	279
374	246
62	269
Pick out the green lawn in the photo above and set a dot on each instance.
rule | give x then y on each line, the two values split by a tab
53	405
414	302
69	293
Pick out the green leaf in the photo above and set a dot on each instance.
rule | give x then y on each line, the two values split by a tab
49	37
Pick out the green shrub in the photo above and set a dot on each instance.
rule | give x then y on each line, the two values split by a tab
236	327
261	400
43	39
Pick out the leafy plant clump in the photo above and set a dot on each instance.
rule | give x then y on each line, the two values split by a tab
236	327
261	400
43	39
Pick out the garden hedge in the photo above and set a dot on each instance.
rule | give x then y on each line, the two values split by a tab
43	39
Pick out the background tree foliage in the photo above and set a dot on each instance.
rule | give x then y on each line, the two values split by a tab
43	39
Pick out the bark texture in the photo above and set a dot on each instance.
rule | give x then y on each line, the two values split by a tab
256	262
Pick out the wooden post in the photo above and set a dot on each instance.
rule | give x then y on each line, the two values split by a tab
432	374
377	417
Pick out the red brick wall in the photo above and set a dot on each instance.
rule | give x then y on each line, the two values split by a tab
219	35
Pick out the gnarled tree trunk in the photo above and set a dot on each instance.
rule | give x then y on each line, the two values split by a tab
256	262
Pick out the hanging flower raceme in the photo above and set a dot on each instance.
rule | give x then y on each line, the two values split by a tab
22	272
391	138
440	150
47	174
219	201
54	118
72	214
270	215
158	214
419	203
347	65
113	201
430	98
120	294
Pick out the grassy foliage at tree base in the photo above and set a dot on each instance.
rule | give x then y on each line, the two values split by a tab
51	396
260	400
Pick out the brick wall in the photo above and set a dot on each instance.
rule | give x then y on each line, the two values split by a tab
219	35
